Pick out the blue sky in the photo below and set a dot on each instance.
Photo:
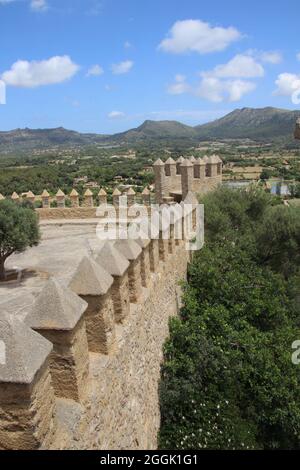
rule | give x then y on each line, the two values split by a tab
107	65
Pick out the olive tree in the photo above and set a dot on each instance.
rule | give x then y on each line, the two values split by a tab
19	229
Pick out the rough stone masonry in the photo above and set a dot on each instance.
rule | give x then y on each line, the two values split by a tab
84	330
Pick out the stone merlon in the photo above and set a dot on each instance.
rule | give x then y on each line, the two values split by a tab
56	308
112	260
90	278
25	351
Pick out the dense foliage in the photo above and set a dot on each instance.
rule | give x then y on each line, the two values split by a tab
19	229
228	381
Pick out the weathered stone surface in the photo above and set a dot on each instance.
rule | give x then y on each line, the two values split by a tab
26	394
123	410
69	361
135	280
25	351
100	323
187	177
154	255
121	301
58	315
27	413
145	261
112	260
132	251
56	308
161	187
117	265
129	248
90	278
121	406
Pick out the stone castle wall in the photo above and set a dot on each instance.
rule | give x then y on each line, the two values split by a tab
83	363
174	180
122	403
83	355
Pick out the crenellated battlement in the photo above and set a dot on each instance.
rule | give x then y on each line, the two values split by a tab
83	332
175	179
74	206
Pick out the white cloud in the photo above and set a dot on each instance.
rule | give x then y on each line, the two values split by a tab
298	56
271	57
32	74
198	36
95	70
180	86
225	82
287	84
122	67
38	5
268	57
116	115
127	45
214	89
211	89
35	5
236	89
241	66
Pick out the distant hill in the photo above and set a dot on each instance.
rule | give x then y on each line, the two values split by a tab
158	130
257	124
265	124
29	139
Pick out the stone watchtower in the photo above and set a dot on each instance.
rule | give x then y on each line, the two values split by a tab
160	181
187	176
175	179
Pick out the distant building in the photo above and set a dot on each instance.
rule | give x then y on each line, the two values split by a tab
118	178
80	179
92	184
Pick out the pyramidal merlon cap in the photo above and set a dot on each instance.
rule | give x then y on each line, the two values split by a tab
158	162
23	351
117	192
112	260
136	233
191	198
90	278
56	308
129	248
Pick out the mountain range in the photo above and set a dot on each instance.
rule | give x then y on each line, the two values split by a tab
264	124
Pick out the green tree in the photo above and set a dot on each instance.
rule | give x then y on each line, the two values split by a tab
265	174
278	239
19	229
228	381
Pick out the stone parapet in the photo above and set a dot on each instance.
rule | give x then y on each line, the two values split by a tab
84	365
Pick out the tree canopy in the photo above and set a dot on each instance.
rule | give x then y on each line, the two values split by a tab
19	229
228	381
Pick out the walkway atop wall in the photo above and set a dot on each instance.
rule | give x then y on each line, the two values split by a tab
61	249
